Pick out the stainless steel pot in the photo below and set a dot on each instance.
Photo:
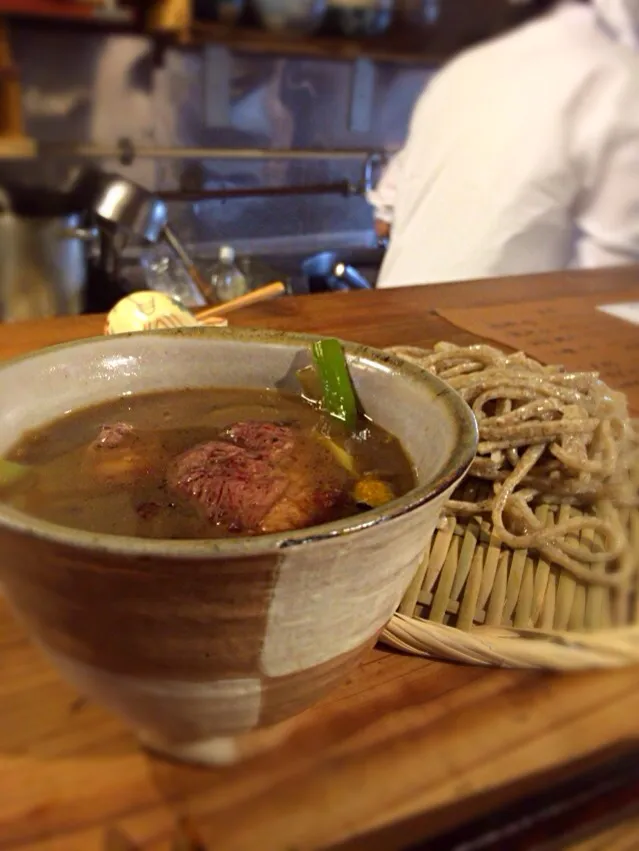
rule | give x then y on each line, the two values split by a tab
122	207
43	264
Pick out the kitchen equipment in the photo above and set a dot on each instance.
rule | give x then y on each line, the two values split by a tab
338	187
291	16
203	287
43	255
164	272
121	206
226	279
326	271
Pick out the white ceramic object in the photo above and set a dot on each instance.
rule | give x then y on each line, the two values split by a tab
150	310
200	644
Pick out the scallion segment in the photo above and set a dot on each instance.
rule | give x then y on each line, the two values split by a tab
338	400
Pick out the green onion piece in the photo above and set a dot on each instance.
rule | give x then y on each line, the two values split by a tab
338	393
343	458
10	472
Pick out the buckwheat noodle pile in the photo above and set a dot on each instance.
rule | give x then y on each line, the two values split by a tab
547	436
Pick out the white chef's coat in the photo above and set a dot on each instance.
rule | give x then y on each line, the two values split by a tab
522	156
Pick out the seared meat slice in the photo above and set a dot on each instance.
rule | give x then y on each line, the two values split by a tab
231	485
264	439
311	495
115	436
263	477
119	455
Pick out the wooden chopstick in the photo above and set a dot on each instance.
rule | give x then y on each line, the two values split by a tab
254	297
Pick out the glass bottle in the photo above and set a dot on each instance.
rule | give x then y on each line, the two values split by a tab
226	279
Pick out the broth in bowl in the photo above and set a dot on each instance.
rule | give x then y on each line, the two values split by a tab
203	463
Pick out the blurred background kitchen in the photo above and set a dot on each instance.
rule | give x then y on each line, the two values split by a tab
257	127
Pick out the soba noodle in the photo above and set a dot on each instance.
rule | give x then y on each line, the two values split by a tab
546	436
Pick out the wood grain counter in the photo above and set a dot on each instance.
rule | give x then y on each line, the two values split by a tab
400	740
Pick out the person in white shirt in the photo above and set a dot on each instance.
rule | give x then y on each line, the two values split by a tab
522	154
383	196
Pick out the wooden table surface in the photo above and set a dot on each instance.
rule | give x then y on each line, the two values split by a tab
376	764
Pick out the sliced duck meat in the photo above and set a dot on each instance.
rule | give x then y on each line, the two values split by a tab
263	477
230	484
120	455
268	439
310	498
114	436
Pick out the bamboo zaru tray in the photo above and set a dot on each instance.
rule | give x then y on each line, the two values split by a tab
480	597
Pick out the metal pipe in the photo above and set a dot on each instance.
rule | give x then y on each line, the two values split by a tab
131	152
343	187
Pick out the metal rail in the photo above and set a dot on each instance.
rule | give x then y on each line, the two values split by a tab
127	152
343	188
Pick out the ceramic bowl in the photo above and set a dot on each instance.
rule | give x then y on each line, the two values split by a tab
196	643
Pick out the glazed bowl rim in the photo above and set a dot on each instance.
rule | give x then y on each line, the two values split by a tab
456	467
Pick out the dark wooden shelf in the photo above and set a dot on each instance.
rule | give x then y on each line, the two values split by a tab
395	47
252	40
72	12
